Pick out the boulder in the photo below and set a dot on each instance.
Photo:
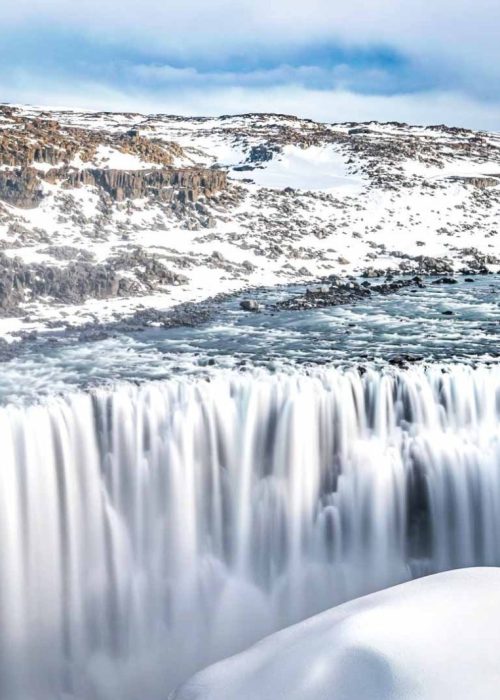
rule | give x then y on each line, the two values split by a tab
249	305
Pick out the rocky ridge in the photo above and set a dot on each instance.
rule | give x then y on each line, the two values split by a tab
42	150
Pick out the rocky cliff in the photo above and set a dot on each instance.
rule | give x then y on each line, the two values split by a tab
186	185
29	146
23	187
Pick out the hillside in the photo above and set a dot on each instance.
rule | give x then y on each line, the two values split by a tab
104	214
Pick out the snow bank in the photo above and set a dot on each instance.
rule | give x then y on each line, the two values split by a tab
436	638
320	168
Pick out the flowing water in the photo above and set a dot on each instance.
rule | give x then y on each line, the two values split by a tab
147	531
414	321
279	467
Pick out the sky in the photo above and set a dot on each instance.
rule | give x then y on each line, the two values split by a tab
419	61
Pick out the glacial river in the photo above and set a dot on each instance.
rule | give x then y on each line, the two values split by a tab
440	323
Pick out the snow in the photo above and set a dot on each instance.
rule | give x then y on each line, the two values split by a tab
453	168
321	168
113	159
429	639
201	147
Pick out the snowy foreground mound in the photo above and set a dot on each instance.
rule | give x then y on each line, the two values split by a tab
434	638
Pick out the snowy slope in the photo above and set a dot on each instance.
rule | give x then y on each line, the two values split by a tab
302	200
430	639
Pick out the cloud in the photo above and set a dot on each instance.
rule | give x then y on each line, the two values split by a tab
343	76
460	31
415	60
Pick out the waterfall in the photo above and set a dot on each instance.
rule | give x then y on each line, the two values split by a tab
148	531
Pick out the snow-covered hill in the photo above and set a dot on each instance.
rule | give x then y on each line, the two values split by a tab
429	639
102	214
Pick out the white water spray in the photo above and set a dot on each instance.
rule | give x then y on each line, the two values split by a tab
149	531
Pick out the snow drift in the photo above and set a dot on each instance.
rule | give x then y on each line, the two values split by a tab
433	638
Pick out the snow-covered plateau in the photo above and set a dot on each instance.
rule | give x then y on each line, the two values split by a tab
105	214
434	638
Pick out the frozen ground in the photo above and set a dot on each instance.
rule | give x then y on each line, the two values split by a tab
433	638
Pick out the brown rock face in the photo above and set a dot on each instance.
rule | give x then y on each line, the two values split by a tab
41	141
165	184
150	151
30	141
481	182
21	188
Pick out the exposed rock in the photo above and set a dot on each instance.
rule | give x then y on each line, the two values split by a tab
445	280
78	281
357	131
44	140
148	150
68	252
262	153
162	184
480	182
21	188
342	293
249	305
402	361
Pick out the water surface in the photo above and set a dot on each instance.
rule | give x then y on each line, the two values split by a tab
413	322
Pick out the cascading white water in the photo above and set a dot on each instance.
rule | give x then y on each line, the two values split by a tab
146	532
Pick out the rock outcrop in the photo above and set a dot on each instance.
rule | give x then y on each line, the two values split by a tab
185	185
45	140
42	149
82	280
21	188
481	182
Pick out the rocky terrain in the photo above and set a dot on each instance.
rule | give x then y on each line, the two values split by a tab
109	216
